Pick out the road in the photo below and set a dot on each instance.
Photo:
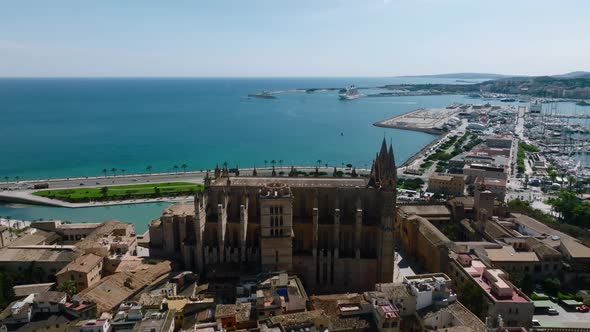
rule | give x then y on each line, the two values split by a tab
22	191
564	319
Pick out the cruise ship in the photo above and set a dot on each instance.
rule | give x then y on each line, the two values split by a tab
350	93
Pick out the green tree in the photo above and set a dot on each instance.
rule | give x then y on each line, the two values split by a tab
183	166
571	180
104	171
175	168
68	287
114	171
552	285
527	284
104	191
472	297
149	169
6	290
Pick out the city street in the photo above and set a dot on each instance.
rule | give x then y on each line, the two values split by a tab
564	319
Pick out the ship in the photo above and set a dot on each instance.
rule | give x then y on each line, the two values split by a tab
350	93
263	94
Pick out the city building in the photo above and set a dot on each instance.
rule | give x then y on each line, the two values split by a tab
473	171
500	297
84	271
496	186
112	290
422	241
46	259
503	142
332	232
70	233
437	214
447	184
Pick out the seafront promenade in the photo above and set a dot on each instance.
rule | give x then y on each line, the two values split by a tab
22	191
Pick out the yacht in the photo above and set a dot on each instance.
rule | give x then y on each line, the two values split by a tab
350	93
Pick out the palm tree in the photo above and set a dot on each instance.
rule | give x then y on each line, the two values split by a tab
553	175
571	180
16	178
104	170
319	161
175	168
114	170
183	166
273	162
265	163
6	179
149	169
122	172
281	163
225	164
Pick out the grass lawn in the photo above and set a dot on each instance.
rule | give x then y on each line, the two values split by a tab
145	190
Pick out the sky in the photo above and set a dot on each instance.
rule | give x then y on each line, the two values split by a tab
288	38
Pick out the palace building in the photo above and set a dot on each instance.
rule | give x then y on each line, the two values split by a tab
334	233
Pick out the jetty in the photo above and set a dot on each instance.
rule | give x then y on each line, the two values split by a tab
431	121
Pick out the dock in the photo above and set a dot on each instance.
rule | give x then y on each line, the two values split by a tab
431	121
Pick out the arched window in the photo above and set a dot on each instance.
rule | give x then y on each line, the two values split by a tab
281	220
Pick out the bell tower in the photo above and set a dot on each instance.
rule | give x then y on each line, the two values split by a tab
276	227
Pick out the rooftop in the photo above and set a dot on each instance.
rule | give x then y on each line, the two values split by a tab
56	253
296	318
575	249
109	292
394	290
52	297
508	254
294	182
469	322
180	209
35	237
330	304
425	210
83	264
24	290
487	279
241	311
107	228
79	225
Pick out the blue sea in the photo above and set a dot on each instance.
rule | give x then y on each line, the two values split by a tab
77	127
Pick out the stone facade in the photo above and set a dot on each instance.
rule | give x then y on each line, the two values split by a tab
335	233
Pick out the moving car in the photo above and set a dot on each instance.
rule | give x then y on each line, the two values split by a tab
552	311
583	308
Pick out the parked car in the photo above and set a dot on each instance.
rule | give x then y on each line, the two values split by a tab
552	311
536	323
583	308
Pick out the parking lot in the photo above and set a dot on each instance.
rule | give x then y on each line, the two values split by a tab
564	319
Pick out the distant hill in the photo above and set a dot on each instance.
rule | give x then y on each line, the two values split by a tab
463	76
574	74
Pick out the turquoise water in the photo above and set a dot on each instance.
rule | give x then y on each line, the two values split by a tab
77	127
138	214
